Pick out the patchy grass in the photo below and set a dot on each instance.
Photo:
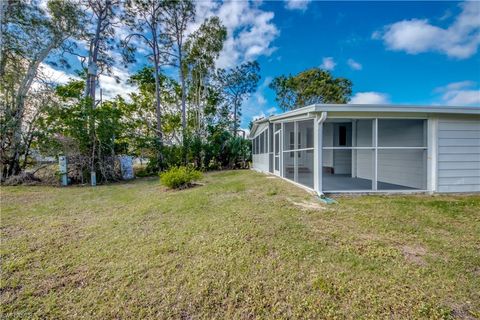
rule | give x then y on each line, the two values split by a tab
241	246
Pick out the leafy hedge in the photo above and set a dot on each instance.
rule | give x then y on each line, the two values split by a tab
180	177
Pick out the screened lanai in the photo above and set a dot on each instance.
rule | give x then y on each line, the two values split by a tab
356	154
374	154
371	148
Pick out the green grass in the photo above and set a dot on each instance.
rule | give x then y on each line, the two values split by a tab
240	246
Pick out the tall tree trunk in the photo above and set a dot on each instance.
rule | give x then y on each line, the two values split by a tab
158	109
182	82
235	108
14	167
90	88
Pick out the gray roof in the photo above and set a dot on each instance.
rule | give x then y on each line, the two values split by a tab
354	108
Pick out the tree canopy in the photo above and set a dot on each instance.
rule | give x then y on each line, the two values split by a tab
185	110
169	120
308	87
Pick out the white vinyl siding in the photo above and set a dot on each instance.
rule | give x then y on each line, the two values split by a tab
458	155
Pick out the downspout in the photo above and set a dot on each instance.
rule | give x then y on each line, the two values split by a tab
322	118
320	121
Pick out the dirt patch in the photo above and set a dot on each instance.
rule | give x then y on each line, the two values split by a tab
414	254
307	205
75	279
463	311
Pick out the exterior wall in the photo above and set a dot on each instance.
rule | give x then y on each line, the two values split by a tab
458	155
403	167
363	166
342	161
328	142
261	162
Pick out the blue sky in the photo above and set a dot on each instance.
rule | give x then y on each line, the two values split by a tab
401	52
371	44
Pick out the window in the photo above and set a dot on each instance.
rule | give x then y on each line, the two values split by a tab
342	136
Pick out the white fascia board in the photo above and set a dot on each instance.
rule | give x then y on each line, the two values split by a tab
360	108
294	113
256	134
366	108
256	124
396	108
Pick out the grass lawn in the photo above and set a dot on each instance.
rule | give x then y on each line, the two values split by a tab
243	245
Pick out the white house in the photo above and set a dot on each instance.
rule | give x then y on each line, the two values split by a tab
331	148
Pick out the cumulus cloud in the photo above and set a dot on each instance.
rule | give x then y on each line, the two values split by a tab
463	93
370	98
50	74
354	64
459	40
256	107
250	30
301	5
111	88
328	63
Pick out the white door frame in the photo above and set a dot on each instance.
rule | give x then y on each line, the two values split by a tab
276	153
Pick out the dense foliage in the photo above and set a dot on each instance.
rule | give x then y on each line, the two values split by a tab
308	87
180	177
167	122
189	115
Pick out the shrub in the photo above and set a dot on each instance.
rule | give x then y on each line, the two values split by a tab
180	177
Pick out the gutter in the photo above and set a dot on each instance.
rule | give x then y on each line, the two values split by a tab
323	117
321	195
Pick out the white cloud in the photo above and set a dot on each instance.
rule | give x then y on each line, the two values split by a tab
250	30
48	73
256	106
297	4
354	64
261	115
271	110
462	98
460	40
370	98
110	87
328	63
455	86
463	93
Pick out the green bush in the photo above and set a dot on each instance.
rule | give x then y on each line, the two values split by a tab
180	177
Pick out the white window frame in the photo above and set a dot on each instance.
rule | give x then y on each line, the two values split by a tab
375	149
295	151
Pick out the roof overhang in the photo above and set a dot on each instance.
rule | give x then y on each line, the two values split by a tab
366	108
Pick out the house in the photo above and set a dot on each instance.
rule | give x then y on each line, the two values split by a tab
329	148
